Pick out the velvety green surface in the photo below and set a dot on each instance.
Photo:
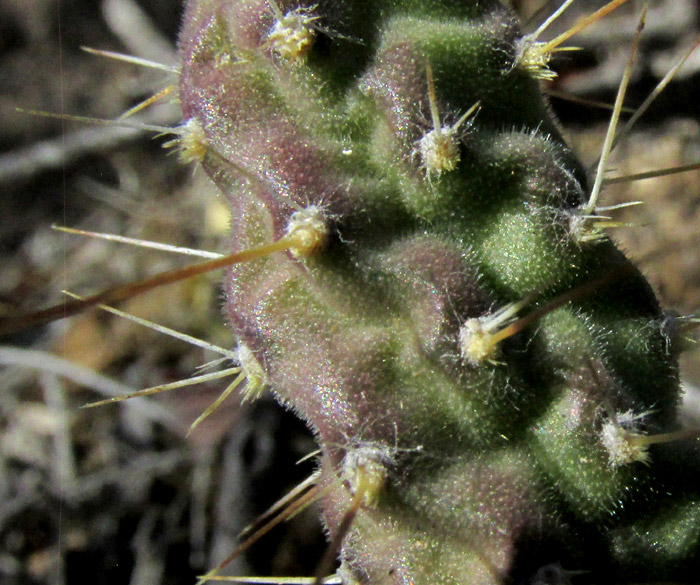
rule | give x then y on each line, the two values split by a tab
484	470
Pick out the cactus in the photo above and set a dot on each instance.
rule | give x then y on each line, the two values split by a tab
492	383
486	374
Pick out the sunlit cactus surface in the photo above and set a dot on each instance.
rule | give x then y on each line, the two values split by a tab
490	380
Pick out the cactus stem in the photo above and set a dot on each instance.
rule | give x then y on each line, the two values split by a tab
527	455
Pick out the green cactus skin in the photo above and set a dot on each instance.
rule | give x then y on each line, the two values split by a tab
475	462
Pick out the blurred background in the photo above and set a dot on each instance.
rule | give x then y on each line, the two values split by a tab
117	494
